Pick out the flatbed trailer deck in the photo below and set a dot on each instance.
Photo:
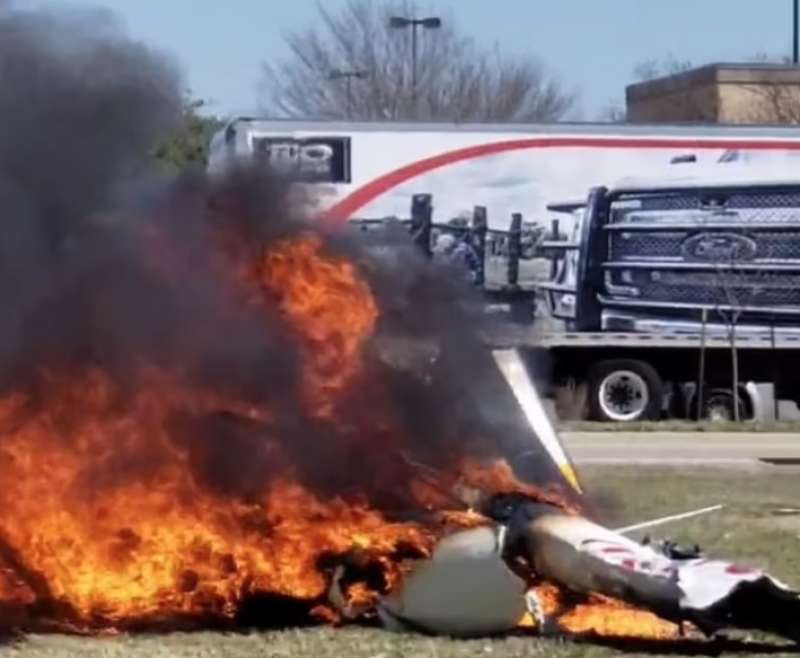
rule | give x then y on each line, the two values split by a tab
672	375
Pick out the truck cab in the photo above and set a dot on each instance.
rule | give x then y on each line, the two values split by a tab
683	288
661	255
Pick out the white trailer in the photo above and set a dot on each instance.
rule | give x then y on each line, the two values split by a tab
373	171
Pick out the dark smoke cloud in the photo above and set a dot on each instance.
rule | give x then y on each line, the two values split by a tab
103	263
82	107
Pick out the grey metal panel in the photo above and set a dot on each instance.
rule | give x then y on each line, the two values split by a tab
630	227
555	287
759	266
663	340
530	337
774	310
567	206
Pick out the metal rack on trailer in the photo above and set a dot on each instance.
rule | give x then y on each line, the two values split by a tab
498	256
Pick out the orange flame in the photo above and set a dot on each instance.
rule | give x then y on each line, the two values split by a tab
161	543
330	307
101	501
607	617
497	477
106	518
599	615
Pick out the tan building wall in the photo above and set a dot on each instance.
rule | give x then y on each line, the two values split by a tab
759	103
719	93
680	105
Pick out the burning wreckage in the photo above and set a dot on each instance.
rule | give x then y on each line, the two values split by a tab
211	416
578	578
165	502
531	560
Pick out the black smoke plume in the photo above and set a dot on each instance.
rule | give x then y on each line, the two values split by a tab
105	264
81	109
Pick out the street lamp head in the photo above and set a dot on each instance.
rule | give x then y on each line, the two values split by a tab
432	23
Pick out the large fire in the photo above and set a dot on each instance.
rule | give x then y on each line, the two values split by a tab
601	616
102	506
108	519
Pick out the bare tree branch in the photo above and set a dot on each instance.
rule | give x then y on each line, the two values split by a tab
613	113
653	68
456	80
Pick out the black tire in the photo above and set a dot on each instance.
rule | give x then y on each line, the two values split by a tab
718	405
624	390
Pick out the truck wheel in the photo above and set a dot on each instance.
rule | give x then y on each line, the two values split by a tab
718	405
624	390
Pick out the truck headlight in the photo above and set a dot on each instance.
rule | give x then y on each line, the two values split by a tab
623	288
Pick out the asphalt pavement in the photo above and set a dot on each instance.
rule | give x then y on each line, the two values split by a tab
734	450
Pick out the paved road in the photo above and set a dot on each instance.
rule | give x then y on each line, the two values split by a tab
724	450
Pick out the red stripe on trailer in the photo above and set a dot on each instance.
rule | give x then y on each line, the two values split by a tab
340	212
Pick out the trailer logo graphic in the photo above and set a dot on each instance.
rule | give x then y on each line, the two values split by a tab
309	160
719	247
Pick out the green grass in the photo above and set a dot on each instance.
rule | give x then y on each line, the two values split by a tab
315	643
357	643
747	530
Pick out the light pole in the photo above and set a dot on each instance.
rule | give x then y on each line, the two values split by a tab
796	35
348	77
430	23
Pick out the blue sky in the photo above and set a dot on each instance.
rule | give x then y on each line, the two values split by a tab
592	45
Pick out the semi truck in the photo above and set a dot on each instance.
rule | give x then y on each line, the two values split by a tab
682	288
671	293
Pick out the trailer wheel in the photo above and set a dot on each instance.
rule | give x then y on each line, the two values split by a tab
624	390
718	405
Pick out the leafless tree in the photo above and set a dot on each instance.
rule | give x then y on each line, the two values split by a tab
613	113
650	70
644	71
456	79
741	291
658	68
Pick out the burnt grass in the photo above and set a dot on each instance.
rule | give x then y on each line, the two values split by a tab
757	527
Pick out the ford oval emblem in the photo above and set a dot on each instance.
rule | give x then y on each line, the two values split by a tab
719	247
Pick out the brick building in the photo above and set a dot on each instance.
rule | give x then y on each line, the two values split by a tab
719	93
